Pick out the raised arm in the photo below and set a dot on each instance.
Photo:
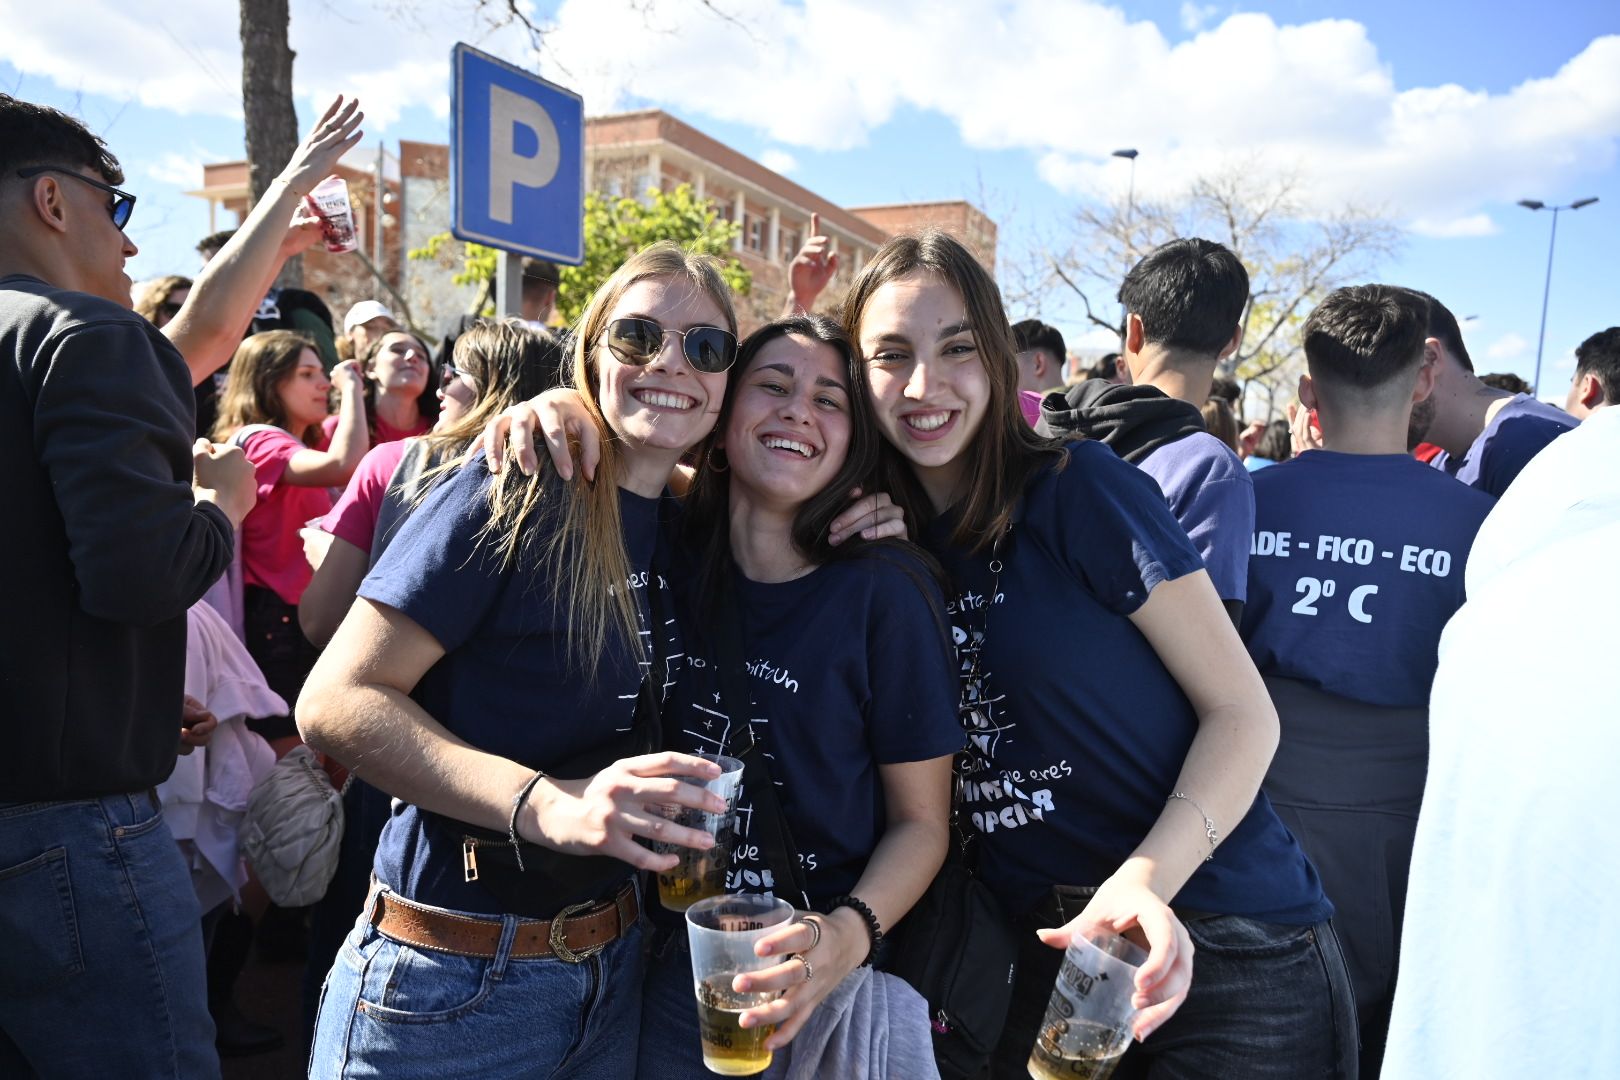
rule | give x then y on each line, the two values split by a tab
210	325
811	271
333	466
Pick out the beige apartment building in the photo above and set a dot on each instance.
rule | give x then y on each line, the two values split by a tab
625	155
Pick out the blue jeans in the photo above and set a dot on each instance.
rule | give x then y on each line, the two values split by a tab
1268	1002
101	953
396	1011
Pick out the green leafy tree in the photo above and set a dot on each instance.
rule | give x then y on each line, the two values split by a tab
615	228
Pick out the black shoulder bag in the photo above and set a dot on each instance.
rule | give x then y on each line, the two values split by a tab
957	946
769	822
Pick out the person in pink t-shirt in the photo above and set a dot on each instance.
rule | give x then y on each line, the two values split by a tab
400	403
495	365
272	406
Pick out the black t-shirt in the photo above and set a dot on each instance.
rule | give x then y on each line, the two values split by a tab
105	549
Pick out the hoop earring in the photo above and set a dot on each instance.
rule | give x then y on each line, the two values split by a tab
709	458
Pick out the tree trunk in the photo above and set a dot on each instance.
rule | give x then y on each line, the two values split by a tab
271	122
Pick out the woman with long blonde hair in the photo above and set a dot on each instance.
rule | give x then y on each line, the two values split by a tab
487	678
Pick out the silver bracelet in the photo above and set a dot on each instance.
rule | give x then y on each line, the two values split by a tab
1209	822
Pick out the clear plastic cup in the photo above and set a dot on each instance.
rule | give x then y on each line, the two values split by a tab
331	201
722	931
1087	1027
702	874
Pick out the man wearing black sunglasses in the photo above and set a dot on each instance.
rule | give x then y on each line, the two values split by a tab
116	525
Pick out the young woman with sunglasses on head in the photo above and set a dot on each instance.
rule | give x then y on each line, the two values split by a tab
497	646
273	405
1140	769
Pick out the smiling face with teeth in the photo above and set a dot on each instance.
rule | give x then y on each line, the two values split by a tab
788	430
666	406
928	382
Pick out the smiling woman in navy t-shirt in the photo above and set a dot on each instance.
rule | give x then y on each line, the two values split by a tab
500	640
847	672
1103	789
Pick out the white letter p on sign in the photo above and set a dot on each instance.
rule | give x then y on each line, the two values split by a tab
507	168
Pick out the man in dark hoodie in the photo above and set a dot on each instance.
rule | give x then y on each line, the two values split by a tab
1183	303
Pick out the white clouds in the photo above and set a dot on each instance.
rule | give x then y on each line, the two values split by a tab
1064	80
1507	348
180	170
1452	228
779	161
1069	80
1195	16
393	54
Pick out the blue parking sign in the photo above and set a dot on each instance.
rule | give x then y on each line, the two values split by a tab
517	159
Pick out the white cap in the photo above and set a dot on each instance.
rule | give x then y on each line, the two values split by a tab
364	312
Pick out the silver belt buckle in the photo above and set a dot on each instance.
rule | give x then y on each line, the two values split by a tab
559	948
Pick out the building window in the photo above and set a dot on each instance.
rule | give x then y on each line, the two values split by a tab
790	244
756	233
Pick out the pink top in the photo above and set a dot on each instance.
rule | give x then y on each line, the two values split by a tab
354	516
272	551
1029	403
385	433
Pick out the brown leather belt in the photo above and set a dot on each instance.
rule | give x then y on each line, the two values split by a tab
575	934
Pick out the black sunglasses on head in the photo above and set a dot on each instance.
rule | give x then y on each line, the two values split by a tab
123	203
636	341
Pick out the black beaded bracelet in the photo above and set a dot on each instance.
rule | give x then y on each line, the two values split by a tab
873	927
517	808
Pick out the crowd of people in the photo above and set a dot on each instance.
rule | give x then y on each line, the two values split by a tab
410	658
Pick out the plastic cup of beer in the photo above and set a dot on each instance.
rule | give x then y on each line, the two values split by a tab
1087	1027
702	874
331	200
722	931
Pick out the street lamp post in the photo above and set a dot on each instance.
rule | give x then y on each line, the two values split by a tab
1546	292
1130	227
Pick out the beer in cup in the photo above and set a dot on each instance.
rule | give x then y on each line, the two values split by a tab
1087	1028
722	931
702	874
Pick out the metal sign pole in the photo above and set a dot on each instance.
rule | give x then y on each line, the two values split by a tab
508	285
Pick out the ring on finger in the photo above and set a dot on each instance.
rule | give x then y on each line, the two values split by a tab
808	971
815	928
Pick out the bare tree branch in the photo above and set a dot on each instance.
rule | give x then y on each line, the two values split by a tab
1061	276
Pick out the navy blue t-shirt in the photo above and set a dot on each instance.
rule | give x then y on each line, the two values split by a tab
1356	566
849	668
506	683
1515	434
1083	730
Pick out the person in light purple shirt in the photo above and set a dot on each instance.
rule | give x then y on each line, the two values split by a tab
1487	435
1183	302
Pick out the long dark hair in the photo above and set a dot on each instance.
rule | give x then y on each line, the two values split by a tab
1005	453
252	389
427	403
706	514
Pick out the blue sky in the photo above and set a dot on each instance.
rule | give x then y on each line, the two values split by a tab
1442	113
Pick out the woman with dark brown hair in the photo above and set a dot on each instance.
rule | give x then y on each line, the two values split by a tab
272	407
1141	767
